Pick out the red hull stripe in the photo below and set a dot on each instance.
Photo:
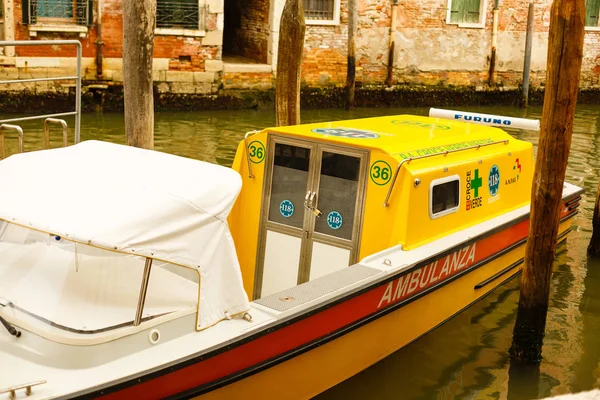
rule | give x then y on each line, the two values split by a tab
281	340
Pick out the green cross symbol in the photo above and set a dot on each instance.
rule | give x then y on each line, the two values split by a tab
476	183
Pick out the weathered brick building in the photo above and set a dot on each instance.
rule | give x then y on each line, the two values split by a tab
204	46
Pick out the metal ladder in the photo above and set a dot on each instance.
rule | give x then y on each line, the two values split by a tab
7	124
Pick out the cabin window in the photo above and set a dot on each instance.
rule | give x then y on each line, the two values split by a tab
592	9
470	13
444	196
289	184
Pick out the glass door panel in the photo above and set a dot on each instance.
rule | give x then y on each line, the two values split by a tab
338	190
289	184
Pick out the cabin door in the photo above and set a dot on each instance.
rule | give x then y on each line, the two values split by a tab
312	212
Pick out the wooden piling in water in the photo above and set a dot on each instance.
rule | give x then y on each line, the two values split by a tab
565	50
527	58
139	19
594	246
289	64
351	74
392	46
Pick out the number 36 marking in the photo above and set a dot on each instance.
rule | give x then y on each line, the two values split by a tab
380	172
256	152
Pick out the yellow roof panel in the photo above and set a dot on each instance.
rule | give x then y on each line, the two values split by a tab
403	136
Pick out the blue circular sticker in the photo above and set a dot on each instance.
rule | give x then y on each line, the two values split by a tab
286	208
334	220
494	180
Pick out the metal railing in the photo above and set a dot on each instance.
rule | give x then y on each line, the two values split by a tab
6	127
65	130
184	14
56	10
445	153
318	9
77	78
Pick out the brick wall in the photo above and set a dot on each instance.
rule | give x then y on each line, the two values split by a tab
428	50
22	33
325	52
183	53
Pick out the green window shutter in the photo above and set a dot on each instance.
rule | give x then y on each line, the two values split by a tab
592	8
465	11
472	11
90	13
25	8
457	11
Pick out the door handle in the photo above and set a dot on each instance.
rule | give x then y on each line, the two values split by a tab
307	200
313	207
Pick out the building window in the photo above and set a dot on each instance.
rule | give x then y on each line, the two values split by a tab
63	12
321	12
178	14
444	196
592	8
468	13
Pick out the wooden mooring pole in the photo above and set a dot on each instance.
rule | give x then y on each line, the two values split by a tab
594	246
527	58
565	50
390	67
289	64
494	42
351	74
139	19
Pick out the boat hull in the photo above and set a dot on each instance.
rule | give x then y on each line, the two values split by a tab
309	353
324	366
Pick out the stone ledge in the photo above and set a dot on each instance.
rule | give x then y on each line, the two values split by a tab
248	68
34	29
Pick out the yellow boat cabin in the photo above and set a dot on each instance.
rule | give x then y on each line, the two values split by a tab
324	196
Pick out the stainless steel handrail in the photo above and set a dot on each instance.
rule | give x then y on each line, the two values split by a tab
63	123
246	136
6	127
389	193
33	117
143	290
58	78
77	78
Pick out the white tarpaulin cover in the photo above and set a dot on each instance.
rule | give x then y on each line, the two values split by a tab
133	201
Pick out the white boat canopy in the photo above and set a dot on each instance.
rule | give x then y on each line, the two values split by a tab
133	201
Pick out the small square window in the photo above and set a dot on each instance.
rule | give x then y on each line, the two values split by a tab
75	12
444	196
183	14
466	13
321	12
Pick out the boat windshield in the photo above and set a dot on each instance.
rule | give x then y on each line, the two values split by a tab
81	288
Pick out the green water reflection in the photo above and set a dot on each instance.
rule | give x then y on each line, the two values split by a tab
466	357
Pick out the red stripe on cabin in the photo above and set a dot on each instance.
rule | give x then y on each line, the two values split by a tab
303	331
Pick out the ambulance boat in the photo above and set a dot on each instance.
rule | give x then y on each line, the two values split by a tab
135	274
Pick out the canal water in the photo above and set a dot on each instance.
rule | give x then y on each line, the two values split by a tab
466	357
